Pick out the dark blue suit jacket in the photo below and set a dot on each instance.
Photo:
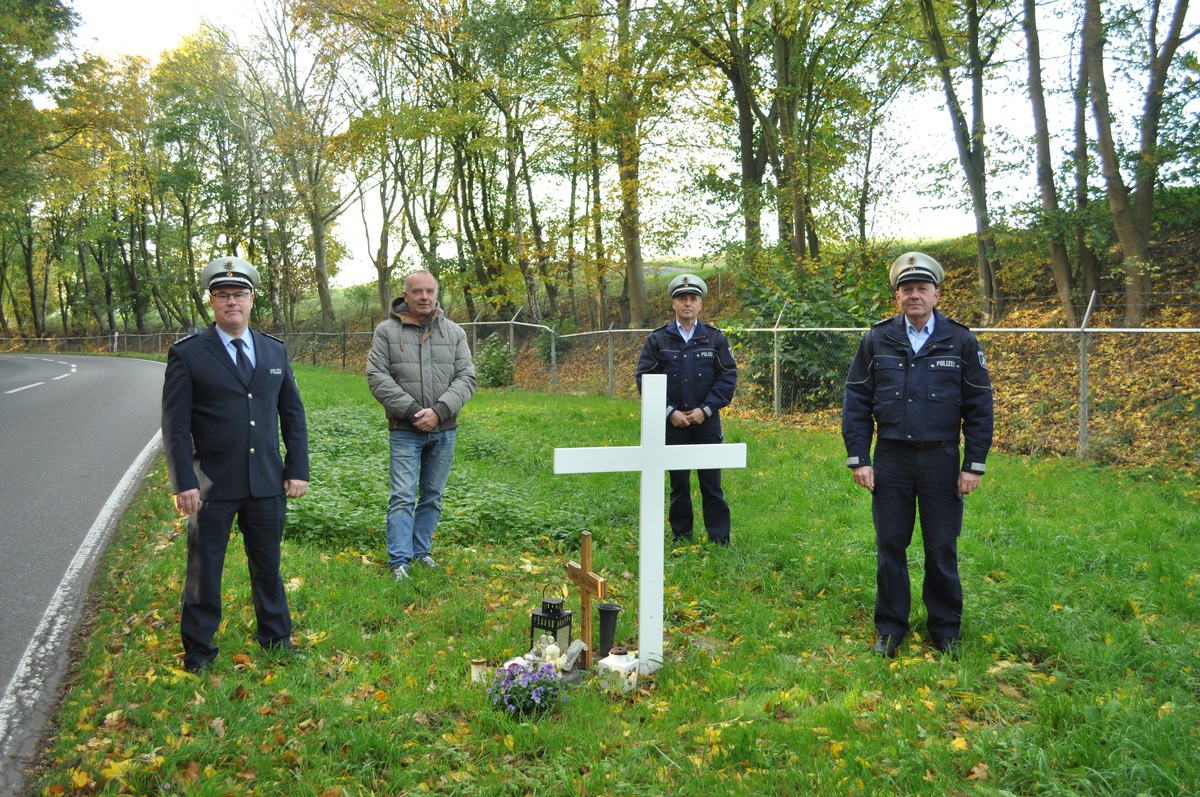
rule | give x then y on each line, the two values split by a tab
222	435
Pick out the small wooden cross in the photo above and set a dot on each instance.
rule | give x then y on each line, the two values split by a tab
590	586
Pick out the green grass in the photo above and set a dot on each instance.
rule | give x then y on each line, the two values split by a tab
1079	676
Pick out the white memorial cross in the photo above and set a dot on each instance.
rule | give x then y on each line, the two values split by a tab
653	457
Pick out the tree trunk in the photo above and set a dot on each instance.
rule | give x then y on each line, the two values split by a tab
541	253
516	221
85	274
99	256
6	285
571	213
189	250
785	110
598	213
735	65
971	151
24	236
628	141
4	328
1089	264
1134	246
1060	263
1146	169
64	307
317	222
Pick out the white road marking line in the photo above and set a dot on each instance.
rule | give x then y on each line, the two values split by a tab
19	389
54	632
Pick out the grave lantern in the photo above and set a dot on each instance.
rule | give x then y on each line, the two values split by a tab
551	619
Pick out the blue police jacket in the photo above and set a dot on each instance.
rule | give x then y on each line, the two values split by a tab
700	373
221	434
927	397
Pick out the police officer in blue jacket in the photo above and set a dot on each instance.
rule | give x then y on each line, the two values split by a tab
228	396
701	378
918	382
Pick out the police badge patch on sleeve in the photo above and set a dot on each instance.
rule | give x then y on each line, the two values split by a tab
982	364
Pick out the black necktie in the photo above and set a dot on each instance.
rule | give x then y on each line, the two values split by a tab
243	363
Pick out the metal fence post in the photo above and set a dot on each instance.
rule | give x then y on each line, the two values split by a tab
512	344
612	376
343	345
475	332
1082	446
775	366
553	362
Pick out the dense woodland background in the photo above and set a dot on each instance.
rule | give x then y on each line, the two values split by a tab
528	152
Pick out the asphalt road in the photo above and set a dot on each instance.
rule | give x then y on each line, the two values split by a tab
77	434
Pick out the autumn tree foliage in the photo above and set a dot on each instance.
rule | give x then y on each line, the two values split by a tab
530	154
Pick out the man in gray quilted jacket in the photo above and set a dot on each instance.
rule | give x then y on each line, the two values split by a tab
419	368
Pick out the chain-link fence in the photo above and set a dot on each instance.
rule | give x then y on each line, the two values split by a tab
1117	396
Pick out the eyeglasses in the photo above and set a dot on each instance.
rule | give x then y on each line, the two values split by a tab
236	296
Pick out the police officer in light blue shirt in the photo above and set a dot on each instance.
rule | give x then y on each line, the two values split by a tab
918	383
701	379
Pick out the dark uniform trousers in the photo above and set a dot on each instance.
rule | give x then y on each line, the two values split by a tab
261	521
716	510
927	472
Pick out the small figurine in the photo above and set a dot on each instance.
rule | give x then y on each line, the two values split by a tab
571	657
538	652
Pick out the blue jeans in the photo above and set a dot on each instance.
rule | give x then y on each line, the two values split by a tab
420	460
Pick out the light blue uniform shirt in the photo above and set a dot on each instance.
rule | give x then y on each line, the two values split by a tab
917	337
247	346
684	333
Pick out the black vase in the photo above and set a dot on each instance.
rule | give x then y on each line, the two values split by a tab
608	626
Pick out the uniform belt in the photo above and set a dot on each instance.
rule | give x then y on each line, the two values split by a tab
920	444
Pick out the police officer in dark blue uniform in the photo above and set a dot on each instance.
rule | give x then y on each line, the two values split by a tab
918	382
701	379
228	394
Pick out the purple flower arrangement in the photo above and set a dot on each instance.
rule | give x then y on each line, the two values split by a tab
528	688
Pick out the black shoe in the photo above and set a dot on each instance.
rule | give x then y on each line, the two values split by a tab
198	667
949	646
886	646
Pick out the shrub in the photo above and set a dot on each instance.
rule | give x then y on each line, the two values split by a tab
812	365
561	346
494	364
